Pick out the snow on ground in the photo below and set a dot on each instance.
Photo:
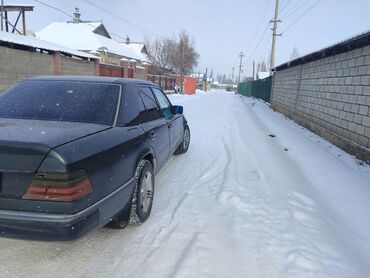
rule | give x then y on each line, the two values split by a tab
239	204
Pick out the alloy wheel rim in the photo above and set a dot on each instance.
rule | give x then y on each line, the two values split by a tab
146	192
186	138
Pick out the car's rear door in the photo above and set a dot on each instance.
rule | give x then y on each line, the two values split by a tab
175	122
157	127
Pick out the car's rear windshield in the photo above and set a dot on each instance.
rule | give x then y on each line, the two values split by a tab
84	102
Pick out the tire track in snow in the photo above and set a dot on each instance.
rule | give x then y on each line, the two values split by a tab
178	205
177	267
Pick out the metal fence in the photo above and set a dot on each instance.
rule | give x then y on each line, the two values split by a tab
260	89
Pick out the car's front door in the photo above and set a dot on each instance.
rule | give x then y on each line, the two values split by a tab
175	122
156	128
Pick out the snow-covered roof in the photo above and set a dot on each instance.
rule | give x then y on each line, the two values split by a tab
138	49
263	74
81	36
41	44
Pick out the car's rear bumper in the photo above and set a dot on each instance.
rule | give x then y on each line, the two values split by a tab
45	226
33	229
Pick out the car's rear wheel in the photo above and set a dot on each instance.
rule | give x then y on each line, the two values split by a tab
183	148
142	199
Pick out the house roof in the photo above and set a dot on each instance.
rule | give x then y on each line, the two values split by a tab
138	48
338	48
83	36
6	37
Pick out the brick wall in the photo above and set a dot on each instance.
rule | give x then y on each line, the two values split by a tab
16	65
330	96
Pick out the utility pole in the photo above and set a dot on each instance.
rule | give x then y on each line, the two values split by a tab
205	80
2	15
241	55
232	75
253	69
274	35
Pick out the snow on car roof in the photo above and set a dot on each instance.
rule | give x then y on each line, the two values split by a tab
41	44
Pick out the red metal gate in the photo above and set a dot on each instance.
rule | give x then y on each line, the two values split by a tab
111	71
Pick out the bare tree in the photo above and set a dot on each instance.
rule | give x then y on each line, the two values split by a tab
177	55
186	57
161	53
263	66
294	54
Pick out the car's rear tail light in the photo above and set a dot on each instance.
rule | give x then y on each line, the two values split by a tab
59	187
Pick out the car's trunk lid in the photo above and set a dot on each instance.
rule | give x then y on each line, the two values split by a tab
25	143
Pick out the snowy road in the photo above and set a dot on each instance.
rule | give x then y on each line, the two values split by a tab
239	204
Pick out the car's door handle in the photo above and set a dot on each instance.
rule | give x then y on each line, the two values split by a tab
152	134
169	125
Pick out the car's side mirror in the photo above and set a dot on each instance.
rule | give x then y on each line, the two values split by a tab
178	109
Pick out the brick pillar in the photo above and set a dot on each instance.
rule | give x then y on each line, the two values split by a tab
58	64
126	69
97	67
133	65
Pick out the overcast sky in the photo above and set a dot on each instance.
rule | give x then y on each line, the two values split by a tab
221	29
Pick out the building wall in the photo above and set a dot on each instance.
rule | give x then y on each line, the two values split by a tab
330	96
77	67
16	65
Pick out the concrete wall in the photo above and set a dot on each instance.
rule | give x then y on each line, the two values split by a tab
77	67
16	65
330	96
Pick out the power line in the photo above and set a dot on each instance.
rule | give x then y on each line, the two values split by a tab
266	44
54	8
263	37
120	17
296	8
301	16
266	50
266	5
285	6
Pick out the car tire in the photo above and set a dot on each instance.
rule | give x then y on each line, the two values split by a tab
142	199
184	146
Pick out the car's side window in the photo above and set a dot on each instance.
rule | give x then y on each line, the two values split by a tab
164	104
132	109
150	103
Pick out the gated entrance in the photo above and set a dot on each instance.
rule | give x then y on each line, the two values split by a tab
111	71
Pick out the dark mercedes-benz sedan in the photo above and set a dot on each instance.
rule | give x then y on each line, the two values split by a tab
78	153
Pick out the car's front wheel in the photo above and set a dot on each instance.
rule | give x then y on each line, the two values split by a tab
183	148
142	199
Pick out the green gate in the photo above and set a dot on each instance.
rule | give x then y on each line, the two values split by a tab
260	89
245	88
